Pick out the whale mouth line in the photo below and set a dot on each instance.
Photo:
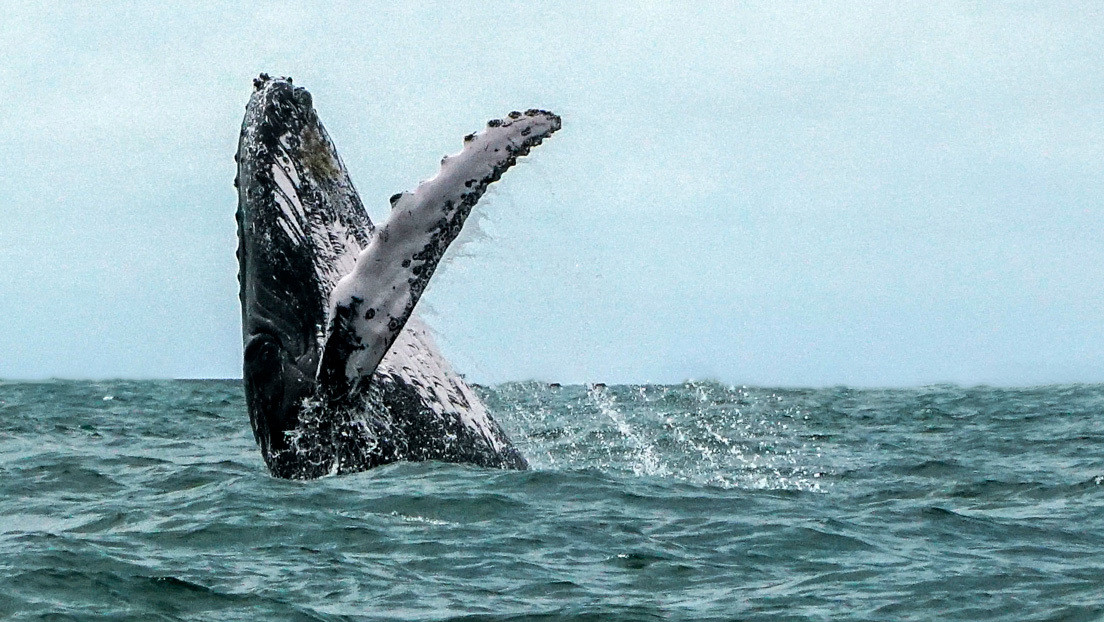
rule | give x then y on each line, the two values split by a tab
340	374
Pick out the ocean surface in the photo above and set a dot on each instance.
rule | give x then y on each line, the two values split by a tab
149	501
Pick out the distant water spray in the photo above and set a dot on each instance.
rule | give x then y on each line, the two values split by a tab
700	432
645	459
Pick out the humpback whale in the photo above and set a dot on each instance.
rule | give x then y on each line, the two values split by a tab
340	374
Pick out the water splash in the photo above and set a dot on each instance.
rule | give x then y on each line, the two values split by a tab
644	458
699	432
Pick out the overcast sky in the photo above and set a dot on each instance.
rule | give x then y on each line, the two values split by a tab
770	193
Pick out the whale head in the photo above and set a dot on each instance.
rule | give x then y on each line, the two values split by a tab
300	226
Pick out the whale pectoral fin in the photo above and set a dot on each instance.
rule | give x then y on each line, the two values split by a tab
370	306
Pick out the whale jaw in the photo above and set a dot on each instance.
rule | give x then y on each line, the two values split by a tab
340	375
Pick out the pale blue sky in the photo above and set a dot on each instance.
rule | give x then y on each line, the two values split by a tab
802	194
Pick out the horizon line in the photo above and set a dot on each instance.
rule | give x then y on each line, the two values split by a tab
591	384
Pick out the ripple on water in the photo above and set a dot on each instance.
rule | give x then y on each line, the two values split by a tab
697	501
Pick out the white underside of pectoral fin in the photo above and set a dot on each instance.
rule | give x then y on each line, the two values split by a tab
371	305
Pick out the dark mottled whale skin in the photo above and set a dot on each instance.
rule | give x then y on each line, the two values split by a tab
339	373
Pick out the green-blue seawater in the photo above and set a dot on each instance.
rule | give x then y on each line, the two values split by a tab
148	500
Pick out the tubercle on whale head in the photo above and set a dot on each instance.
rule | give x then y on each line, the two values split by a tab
284	112
278	102
262	79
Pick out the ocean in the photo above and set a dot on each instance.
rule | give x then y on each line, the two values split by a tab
148	500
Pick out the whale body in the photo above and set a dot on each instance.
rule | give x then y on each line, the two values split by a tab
340	374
